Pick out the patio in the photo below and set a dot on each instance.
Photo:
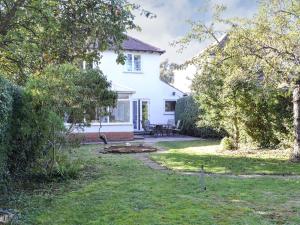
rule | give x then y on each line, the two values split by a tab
151	139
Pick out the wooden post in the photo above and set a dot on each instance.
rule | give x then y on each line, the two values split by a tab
296	104
202	179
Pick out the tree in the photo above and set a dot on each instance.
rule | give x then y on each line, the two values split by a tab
67	93
34	34
71	92
167	71
263	50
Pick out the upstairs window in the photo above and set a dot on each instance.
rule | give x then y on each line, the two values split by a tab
133	63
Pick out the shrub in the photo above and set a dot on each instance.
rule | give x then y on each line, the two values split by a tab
227	144
188	112
25	131
32	131
64	168
6	101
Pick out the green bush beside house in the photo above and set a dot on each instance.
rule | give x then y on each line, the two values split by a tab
6	102
33	138
188	112
24	132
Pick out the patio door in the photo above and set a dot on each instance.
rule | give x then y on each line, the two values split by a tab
140	111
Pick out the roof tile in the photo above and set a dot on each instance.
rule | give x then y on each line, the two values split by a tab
133	44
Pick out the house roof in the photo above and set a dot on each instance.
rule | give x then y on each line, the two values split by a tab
173	87
133	44
121	89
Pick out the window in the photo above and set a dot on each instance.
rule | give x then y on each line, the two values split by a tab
87	65
133	63
120	114
129	63
137	63
170	106
92	115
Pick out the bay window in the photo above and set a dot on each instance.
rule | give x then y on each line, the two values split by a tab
119	114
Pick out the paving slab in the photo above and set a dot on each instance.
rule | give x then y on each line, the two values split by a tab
153	140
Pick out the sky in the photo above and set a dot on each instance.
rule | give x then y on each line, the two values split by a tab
171	24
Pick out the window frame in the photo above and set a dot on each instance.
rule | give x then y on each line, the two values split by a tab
169	112
133	70
115	123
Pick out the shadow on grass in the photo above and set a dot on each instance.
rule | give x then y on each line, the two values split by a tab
227	164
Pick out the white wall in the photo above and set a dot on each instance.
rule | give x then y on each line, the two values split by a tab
94	128
183	78
146	84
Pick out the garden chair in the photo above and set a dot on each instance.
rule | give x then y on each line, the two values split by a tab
169	127
148	127
171	122
178	128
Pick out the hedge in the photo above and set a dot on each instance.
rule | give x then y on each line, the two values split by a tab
6	107
188	112
21	133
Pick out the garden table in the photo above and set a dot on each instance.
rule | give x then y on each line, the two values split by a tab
163	128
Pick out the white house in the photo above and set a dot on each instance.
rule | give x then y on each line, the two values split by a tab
141	93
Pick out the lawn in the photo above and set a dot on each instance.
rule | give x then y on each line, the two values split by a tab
118	189
189	156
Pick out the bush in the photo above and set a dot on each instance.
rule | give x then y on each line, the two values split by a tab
227	144
25	131
64	168
32	131
188	112
6	102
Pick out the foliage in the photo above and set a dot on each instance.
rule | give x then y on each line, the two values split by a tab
66	93
227	144
32	132
244	81
64	168
71	93
167	71
251	112
34	34
6	100
28	131
188	112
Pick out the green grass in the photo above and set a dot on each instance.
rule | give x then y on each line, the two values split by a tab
190	155
118	189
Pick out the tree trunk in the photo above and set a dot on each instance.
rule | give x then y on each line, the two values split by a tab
236	125
296	106
236	133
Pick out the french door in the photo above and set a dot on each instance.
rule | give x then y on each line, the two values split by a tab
140	110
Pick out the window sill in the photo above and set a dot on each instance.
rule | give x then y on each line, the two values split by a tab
133	72
112	124
169	113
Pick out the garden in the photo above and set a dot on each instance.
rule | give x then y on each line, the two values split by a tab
244	106
118	189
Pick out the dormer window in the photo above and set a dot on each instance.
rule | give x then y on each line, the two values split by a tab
133	63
